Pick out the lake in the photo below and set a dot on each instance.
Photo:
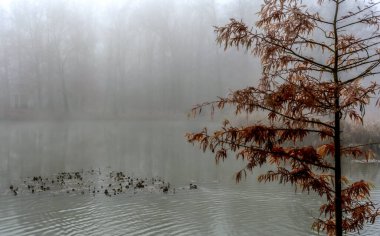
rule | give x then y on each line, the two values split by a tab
146	148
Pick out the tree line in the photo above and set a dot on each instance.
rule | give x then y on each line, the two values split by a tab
125	59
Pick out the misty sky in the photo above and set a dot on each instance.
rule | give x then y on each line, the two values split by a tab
117	58
124	59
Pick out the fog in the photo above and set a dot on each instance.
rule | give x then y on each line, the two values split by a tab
108	84
127	62
116	59
94	84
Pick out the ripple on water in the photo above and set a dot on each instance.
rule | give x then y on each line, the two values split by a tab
213	209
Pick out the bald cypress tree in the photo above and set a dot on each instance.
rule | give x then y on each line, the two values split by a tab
316	73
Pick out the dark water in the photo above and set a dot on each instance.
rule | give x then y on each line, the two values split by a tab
218	207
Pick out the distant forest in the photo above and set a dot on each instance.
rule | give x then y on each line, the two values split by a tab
132	59
367	134
135	59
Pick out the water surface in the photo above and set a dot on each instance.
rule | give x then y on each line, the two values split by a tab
146	148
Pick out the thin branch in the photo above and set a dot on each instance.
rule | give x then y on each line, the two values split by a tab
361	63
292	52
358	12
363	20
360	145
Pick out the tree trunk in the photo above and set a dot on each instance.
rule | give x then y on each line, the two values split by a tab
338	172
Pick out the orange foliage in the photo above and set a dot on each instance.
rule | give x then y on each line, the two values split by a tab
308	86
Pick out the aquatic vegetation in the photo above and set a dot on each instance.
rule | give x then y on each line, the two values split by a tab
91	182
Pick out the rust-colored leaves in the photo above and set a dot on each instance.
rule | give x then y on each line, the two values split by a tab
308	85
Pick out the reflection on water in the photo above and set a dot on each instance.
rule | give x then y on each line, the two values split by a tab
214	209
218	207
143	148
